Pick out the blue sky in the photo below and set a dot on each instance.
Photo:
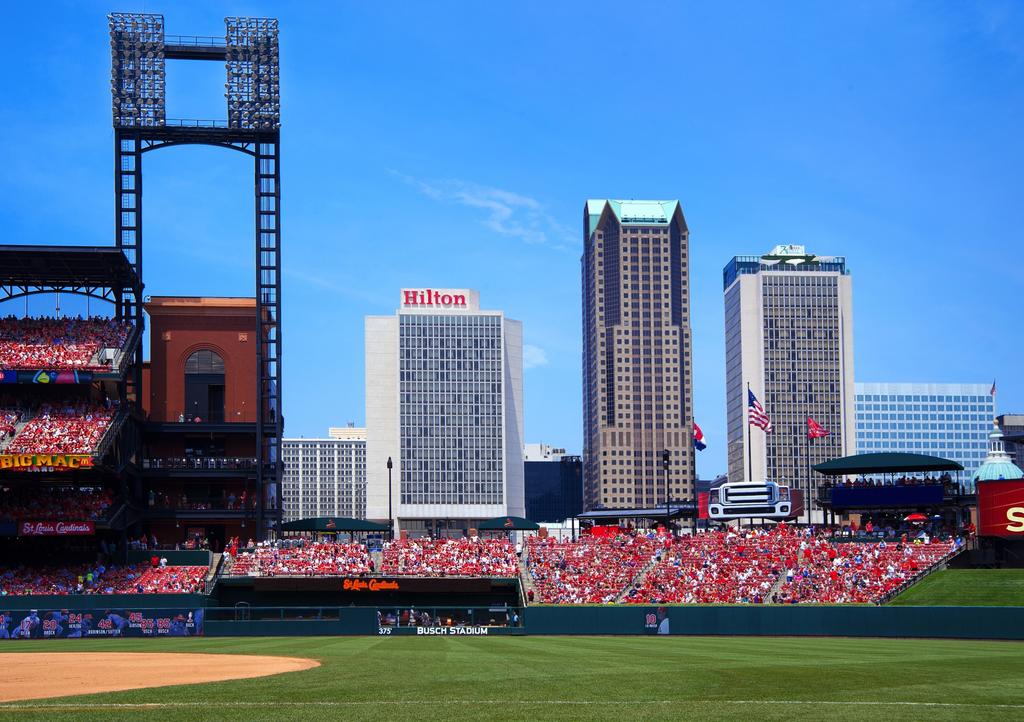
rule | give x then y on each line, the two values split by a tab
454	144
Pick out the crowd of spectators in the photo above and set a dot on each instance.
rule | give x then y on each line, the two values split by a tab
228	500
8	423
714	568
101	579
467	557
866	482
592	570
54	504
70	428
58	343
821	572
300	558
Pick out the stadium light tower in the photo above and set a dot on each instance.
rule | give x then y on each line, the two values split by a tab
139	50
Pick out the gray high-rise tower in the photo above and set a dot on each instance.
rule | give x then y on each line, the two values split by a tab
789	335
637	381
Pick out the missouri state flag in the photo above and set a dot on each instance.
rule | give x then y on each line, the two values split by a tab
698	438
815	430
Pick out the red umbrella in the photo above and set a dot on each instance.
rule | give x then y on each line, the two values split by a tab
915	518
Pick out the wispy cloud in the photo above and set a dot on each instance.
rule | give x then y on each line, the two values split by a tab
506	213
534	356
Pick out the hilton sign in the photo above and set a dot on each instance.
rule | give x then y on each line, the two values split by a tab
433	298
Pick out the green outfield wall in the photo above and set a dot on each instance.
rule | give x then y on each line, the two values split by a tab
793	620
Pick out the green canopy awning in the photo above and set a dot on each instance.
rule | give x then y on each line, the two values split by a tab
332	523
508	523
886	462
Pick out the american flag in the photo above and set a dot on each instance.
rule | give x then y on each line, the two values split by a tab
756	415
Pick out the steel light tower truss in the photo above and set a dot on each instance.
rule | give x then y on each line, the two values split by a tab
249	50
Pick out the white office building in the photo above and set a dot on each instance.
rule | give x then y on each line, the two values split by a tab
325	477
444	401
948	420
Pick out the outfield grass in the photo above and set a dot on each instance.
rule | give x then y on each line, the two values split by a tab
573	678
955	587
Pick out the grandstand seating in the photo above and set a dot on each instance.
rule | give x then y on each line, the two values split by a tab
315	559
730	567
72	429
714	568
827	573
58	343
97	579
450	558
8	421
54	504
592	570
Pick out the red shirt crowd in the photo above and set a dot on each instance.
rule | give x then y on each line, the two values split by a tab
54	504
471	557
70	429
58	343
313	559
593	570
97	579
8	419
820	572
714	568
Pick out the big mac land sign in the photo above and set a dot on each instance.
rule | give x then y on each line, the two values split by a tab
44	462
1001	508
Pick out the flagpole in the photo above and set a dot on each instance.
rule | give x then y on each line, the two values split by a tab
807	497
750	458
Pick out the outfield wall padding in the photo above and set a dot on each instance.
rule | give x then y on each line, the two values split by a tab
794	620
351	621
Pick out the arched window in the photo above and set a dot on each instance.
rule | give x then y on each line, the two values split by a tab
204	386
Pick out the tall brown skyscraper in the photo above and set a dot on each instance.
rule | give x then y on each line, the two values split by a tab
637	381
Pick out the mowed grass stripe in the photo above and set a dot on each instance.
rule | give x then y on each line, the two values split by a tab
957	587
611	678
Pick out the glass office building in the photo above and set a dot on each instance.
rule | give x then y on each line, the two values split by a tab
444	397
948	420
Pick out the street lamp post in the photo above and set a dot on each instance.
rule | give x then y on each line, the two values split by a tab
391	518
665	456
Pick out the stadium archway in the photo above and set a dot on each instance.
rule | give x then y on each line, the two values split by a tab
204	386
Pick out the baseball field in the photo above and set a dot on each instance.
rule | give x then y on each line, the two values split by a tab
517	678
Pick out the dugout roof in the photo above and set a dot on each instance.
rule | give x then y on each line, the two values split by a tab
332	524
508	523
886	462
69	266
676	509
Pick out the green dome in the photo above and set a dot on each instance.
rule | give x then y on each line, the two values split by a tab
998	464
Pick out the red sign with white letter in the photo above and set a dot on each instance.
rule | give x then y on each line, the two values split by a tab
1001	508
56	528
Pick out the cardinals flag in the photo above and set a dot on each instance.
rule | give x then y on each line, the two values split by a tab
815	430
698	438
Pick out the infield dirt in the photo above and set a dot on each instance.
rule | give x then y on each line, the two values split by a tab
48	674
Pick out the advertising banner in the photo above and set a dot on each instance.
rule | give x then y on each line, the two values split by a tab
44	462
67	624
1001	508
11	376
56	528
